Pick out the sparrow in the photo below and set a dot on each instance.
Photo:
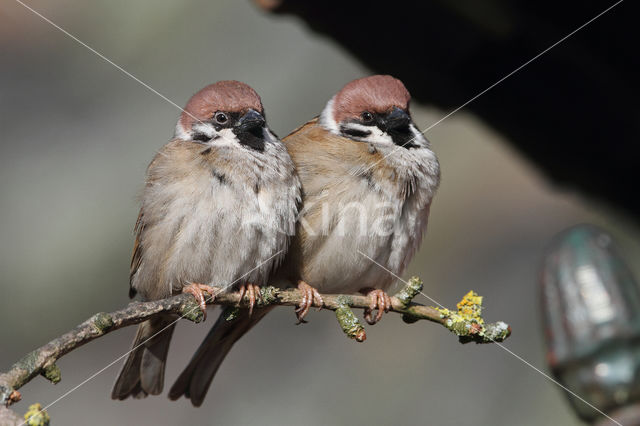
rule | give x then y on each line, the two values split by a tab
218	208
368	179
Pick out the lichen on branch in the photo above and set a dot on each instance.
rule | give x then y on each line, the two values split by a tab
36	416
467	322
348	321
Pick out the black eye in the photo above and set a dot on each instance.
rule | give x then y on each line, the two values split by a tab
367	117
220	117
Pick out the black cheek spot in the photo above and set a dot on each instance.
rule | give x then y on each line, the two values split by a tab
201	137
220	176
355	133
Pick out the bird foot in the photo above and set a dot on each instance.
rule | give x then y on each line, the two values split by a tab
251	290
197	290
378	300
309	295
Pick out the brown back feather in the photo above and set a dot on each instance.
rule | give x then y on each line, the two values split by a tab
136	257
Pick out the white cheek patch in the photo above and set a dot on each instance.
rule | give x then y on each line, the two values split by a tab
374	134
206	129
378	135
226	137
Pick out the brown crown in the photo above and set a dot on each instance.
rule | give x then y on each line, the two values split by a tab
378	93
228	96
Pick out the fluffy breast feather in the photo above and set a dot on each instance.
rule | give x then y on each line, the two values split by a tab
347	187
211	214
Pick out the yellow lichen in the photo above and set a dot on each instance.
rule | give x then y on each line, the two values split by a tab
36	416
467	323
470	307
444	312
467	320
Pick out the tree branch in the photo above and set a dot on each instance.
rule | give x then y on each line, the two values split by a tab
466	322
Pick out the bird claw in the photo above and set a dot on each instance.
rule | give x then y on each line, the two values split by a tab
197	290
378	300
309	296
251	290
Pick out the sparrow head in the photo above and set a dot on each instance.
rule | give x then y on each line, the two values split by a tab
373	109
224	112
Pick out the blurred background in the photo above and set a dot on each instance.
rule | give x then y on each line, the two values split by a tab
77	136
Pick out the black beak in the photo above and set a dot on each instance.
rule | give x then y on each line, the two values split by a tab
395	120
251	120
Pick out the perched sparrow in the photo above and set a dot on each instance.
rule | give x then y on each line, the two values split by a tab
368	178
219	205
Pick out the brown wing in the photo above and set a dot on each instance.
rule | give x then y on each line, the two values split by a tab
136	258
323	158
180	155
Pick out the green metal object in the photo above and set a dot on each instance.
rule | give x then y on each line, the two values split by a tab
591	310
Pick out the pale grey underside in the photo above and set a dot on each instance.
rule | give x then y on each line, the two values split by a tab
201	228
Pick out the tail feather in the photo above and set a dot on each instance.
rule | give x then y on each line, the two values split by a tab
143	371
196	378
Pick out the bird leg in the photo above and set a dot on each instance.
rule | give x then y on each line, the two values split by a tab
251	290
309	295
378	300
197	290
